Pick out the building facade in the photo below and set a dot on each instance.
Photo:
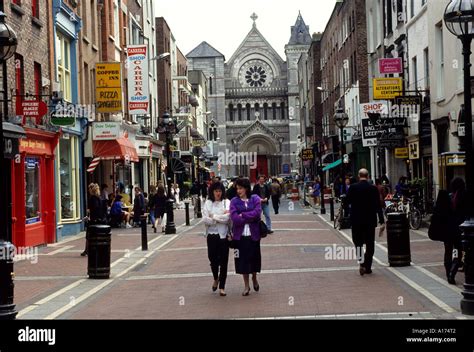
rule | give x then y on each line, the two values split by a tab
249	100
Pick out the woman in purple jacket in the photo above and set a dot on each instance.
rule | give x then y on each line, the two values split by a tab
245	213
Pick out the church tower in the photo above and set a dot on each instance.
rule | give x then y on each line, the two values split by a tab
300	42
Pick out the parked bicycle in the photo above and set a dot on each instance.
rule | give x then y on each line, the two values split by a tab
406	206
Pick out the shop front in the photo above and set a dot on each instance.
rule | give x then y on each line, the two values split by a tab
11	139
32	184
69	189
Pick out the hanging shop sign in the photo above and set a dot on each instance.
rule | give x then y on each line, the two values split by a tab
105	131
387	88
414	149
138	90
108	87
307	155
401	153
390	66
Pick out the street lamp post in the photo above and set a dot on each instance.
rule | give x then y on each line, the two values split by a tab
8	43
459	20
168	126
342	119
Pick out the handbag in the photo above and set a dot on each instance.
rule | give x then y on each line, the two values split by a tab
263	229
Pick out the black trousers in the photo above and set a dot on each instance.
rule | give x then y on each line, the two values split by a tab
276	203
451	264
218	254
364	234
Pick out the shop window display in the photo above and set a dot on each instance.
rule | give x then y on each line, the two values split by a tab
32	190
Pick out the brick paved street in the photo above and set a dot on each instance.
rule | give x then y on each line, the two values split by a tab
173	280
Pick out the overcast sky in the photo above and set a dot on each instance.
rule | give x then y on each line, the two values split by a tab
225	23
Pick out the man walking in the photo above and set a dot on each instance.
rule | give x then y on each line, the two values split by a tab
364	201
262	190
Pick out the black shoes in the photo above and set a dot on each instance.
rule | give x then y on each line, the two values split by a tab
246	292
451	280
215	287
363	270
84	254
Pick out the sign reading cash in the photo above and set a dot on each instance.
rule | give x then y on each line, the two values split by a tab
138	90
108	87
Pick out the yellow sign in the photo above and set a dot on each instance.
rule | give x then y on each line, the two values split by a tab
387	88
401	153
108	87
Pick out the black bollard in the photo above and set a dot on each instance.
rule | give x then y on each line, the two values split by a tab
143	220
7	308
199	211
398	240
186	206
99	249
467	303
331	208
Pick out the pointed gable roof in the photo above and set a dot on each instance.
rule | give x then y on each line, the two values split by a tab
204	50
254	36
300	32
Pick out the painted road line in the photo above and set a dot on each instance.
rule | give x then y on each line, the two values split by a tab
93	291
410	282
49	298
388	315
63	249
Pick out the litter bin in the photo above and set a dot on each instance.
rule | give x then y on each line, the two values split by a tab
398	240
99	252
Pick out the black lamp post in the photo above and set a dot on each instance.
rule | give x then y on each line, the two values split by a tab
168	126
459	19
341	119
8	43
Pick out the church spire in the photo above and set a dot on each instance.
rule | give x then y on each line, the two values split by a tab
300	32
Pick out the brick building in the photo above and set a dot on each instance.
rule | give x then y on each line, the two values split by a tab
344	76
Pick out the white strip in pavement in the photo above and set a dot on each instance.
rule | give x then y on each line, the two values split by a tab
408	281
425	293
264	272
68	239
291	222
63	249
49	298
388	315
421	233
299	229
93	291
279	245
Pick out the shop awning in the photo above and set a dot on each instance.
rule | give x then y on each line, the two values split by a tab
120	148
333	165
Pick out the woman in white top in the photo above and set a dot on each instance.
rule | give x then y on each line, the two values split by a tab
176	196
217	219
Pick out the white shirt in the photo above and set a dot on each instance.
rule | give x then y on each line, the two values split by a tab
219	222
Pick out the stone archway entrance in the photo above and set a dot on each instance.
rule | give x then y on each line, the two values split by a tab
264	153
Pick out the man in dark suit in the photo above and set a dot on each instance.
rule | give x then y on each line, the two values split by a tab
364	200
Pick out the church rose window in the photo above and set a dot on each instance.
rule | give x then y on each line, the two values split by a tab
256	74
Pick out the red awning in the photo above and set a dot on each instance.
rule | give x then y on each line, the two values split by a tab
120	148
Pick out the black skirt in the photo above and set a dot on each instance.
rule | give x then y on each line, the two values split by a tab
247	256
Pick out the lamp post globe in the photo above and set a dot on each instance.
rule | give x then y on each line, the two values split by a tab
459	20
8	39
8	44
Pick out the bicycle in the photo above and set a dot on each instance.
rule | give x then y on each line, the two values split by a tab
340	220
407	207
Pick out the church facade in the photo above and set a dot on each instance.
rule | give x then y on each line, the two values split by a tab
253	99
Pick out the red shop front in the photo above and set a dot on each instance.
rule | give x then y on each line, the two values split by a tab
34	210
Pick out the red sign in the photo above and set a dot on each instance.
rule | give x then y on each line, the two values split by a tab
33	109
390	66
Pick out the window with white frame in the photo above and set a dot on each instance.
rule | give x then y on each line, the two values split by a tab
63	64
68	180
